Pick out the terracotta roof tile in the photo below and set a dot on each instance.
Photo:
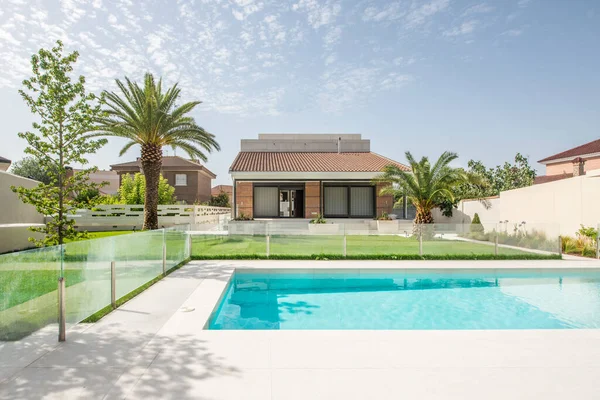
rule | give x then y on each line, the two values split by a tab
168	162
310	162
588	148
550	178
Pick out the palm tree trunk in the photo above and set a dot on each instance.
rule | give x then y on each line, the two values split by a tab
151	165
422	218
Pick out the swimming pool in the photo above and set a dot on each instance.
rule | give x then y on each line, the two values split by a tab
313	299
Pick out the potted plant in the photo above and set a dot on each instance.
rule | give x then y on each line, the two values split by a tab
246	225
320	226
385	224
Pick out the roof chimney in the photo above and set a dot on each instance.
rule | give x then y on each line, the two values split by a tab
339	144
578	166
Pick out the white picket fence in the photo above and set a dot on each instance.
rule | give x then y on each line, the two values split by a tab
127	217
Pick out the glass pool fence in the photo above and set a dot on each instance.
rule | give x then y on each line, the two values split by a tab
81	278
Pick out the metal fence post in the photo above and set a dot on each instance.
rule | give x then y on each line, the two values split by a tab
420	240
598	246
113	285
345	245
189	244
496	244
164	254
62	320
268	245
560	245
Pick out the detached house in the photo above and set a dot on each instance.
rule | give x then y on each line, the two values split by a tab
573	162
192	180
304	175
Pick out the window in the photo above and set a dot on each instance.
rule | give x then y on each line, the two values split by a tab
265	202
180	180
336	201
349	201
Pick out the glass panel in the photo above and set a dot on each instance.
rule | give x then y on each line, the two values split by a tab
361	201
139	260
28	291
265	201
87	275
336	200
284	203
176	240
228	245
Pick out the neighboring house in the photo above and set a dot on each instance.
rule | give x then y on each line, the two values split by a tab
4	164
304	175
573	162
112	177
192	180
217	190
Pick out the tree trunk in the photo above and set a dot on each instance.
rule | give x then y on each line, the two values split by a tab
151	165
422	217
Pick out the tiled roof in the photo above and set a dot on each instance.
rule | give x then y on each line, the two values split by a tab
310	162
550	178
588	148
172	163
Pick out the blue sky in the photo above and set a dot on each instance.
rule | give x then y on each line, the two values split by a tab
484	79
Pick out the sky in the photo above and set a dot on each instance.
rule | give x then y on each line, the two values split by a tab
483	79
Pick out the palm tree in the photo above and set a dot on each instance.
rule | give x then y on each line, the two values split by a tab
149	117
426	186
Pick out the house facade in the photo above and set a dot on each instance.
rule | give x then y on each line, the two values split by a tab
4	164
573	162
306	175
192	180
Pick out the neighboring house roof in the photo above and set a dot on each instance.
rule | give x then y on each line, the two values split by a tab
221	188
169	163
579	151
550	178
4	160
311	162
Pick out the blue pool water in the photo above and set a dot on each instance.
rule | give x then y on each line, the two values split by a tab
398	300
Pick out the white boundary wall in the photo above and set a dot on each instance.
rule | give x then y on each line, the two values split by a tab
127	217
15	216
559	207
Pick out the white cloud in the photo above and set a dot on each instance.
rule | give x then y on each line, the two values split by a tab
319	12
463	29
482	8
411	15
513	32
420	14
332	36
523	3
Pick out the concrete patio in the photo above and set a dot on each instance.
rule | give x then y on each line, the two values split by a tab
154	347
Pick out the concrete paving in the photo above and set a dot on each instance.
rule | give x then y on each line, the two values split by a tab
155	347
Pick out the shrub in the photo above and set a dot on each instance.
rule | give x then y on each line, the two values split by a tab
384	217
589	232
318	220
476	225
243	217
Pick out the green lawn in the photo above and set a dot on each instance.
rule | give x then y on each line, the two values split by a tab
355	245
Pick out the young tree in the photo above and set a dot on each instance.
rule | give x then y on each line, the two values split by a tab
495	180
65	112
29	167
133	190
148	116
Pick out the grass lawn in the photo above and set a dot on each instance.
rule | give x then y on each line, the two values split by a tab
355	245
98	235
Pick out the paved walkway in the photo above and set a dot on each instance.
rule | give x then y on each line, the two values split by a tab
154	347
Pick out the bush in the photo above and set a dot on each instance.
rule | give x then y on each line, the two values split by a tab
589	232
318	220
328	257
476	225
